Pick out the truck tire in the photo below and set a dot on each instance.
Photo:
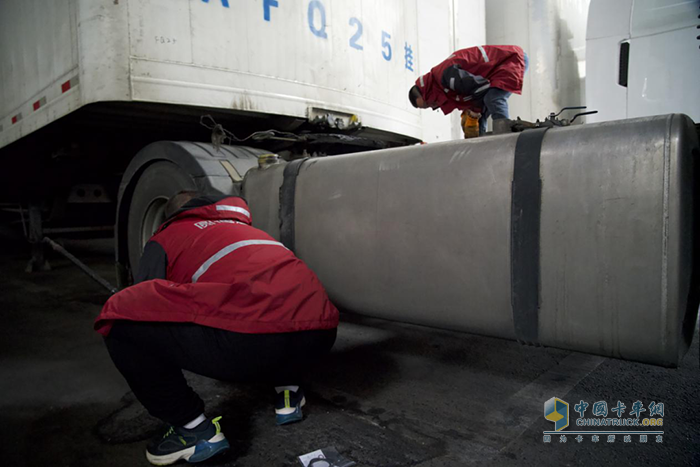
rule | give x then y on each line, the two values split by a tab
159	181
159	171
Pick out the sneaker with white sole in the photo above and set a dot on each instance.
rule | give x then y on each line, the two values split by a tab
198	444
288	406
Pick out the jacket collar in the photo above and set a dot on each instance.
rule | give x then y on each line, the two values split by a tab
212	208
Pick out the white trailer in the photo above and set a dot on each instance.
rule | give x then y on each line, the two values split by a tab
88	84
293	58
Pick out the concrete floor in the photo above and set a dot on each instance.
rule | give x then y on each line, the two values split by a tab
389	394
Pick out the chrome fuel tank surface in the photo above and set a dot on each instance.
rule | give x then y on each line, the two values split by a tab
599	242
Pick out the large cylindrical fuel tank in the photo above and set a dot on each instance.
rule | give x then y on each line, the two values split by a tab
592	251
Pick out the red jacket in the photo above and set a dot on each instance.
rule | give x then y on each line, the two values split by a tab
218	271
502	65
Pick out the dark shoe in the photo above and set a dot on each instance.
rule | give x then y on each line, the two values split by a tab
288	406
195	445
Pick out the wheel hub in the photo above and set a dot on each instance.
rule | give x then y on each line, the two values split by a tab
153	217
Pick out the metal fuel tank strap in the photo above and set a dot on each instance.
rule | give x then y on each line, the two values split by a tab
287	193
526	210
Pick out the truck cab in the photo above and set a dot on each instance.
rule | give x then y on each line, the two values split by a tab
643	58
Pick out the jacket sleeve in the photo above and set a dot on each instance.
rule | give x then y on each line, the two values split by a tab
153	264
462	82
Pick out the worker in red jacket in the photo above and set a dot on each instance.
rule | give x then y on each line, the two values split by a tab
475	80
222	299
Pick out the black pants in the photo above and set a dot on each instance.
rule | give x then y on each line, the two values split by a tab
151	356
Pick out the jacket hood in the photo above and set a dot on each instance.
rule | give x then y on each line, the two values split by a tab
208	208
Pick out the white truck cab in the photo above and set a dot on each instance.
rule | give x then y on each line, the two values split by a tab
643	58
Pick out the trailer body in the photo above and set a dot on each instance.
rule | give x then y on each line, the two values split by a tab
350	61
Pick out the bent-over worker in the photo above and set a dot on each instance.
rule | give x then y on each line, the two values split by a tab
476	80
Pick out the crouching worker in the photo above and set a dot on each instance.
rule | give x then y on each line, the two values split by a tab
222	299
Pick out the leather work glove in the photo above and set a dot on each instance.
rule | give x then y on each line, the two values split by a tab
470	124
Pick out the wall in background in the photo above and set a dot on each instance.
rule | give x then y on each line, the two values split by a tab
443	27
553	33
